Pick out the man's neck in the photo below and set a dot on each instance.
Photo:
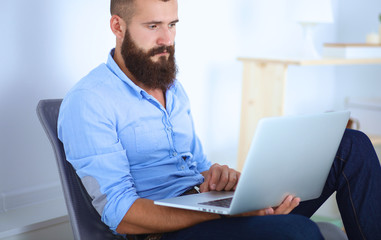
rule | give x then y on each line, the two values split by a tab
158	94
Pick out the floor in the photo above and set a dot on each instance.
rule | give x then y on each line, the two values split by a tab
61	231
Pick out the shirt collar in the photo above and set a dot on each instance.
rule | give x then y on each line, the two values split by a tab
111	64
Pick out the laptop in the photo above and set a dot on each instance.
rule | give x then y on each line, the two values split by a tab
288	155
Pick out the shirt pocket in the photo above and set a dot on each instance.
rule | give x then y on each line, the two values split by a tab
148	139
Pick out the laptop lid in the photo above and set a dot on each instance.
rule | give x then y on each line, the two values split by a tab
288	155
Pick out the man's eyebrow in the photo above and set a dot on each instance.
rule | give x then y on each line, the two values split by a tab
160	22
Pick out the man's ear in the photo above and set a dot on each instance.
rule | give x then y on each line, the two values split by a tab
118	27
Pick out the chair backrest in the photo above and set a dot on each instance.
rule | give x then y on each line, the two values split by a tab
85	221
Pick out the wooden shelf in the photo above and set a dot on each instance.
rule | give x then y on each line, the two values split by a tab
263	90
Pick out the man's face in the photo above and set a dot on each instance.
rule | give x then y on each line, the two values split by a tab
148	45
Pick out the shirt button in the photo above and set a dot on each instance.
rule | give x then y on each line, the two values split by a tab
182	167
174	154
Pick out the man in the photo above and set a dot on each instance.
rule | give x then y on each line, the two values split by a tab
127	130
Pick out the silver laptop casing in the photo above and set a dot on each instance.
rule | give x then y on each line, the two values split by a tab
288	155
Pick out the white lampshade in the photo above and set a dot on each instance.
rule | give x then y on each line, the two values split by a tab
313	11
309	13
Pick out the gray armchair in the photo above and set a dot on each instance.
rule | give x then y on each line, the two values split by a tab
85	220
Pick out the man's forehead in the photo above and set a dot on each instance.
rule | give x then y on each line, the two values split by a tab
155	10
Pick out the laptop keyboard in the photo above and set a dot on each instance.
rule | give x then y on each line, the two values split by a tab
225	202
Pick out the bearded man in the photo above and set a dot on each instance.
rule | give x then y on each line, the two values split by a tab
127	129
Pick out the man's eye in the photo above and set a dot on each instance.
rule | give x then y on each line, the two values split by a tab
152	26
172	25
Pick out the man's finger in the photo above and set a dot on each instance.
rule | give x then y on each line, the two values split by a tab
204	187
223	179
238	176
284	205
233	179
289	203
215	172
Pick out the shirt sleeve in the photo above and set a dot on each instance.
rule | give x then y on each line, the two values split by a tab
203	164
87	128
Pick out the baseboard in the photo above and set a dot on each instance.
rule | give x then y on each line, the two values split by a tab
32	208
33	227
19	198
33	217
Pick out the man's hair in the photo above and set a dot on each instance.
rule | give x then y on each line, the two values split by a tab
124	8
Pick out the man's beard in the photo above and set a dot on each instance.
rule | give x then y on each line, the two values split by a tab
153	75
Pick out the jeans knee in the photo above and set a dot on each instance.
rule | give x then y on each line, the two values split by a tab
303	228
356	137
356	143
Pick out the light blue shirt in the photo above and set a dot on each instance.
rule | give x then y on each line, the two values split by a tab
125	145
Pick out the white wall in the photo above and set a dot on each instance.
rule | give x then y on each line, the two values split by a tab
357	19
46	46
215	33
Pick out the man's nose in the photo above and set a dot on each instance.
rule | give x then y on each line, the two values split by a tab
166	37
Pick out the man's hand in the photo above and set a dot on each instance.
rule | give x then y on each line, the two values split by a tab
223	178
220	178
288	204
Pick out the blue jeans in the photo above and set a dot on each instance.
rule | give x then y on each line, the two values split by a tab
355	176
